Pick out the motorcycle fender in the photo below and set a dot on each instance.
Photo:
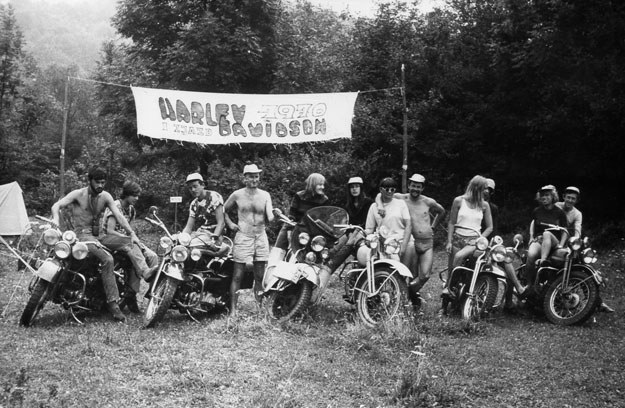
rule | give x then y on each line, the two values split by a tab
291	272
174	271
498	272
398	266
48	270
590	270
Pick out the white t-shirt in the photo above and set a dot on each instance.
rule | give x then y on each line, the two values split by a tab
396	218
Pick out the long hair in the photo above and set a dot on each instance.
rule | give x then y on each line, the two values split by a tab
312	181
474	194
554	196
354	201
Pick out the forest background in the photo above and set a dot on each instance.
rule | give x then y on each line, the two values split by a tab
528	93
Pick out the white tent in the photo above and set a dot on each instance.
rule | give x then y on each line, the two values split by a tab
13	216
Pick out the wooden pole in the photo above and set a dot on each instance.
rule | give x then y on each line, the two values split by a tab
63	139
404	166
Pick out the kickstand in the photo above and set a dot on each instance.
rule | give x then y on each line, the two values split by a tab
191	316
71	312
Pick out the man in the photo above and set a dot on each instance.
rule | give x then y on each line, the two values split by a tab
494	209
392	214
574	221
87	204
254	210
206	209
144	261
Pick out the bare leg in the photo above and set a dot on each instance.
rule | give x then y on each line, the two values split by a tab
239	271
549	242
259	273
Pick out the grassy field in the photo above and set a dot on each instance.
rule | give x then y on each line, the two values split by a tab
325	359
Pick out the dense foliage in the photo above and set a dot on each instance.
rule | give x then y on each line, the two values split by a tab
528	93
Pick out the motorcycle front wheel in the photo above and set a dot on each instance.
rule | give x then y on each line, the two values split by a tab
486	288
574	306
160	301
389	301
37	299
285	304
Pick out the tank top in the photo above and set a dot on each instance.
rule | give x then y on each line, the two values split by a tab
468	217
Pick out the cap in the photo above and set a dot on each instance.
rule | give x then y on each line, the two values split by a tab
251	168
548	187
490	183
571	189
417	178
355	180
195	177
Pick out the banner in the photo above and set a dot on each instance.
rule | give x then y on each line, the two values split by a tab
215	118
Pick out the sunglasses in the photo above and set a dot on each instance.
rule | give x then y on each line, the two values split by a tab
389	189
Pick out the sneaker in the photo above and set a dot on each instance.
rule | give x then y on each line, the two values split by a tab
605	308
117	314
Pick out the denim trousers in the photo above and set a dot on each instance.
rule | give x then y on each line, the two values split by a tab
142	259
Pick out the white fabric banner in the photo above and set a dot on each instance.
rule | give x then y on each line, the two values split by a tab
214	118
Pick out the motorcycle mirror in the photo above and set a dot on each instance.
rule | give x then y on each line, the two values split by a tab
518	239
153	210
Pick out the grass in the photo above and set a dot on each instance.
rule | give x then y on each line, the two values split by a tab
325	359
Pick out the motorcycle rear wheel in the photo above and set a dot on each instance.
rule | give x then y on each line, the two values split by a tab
574	307
390	301
486	288
160	301
285	304
37	299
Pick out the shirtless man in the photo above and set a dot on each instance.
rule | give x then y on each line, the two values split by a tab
87	204
254	210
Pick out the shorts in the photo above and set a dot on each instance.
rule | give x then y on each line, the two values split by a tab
422	245
460	241
249	248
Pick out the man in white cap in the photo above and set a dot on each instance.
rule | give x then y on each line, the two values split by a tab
254	210
206	211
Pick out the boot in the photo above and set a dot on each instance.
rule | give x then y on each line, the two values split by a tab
131	302
113	308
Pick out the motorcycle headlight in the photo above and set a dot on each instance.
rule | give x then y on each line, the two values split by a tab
311	257
497	240
166	242
318	243
303	238
184	238
498	253
51	236
481	243
62	249
589	256
325	253
391	246
69	236
575	243
372	241
80	251
179	253
196	254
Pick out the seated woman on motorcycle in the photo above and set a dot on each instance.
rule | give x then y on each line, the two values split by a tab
465	224
312	196
206	210
543	242
357	204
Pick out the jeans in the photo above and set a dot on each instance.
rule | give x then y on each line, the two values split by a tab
142	259
106	271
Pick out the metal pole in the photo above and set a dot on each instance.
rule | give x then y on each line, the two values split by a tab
63	138
404	166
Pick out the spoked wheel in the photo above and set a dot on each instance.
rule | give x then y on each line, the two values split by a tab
160	301
37	299
486	288
576	304
389	301
285	304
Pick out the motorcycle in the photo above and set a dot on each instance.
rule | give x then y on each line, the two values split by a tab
479	283
567	290
194	275
69	276
376	281
289	284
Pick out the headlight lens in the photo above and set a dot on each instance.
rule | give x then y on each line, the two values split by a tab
196	254
303	238
589	256
80	251
318	243
372	241
184	238
575	243
498	253
62	249
497	240
311	257
51	236
179	253
481	243
69	236
391	246
325	253
166	242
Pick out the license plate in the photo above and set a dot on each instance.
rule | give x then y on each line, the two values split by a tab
48	270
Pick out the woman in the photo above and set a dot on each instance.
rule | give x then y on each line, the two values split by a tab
357	204
465	223
312	196
542	242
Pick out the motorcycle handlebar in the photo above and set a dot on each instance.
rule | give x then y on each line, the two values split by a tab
552	226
